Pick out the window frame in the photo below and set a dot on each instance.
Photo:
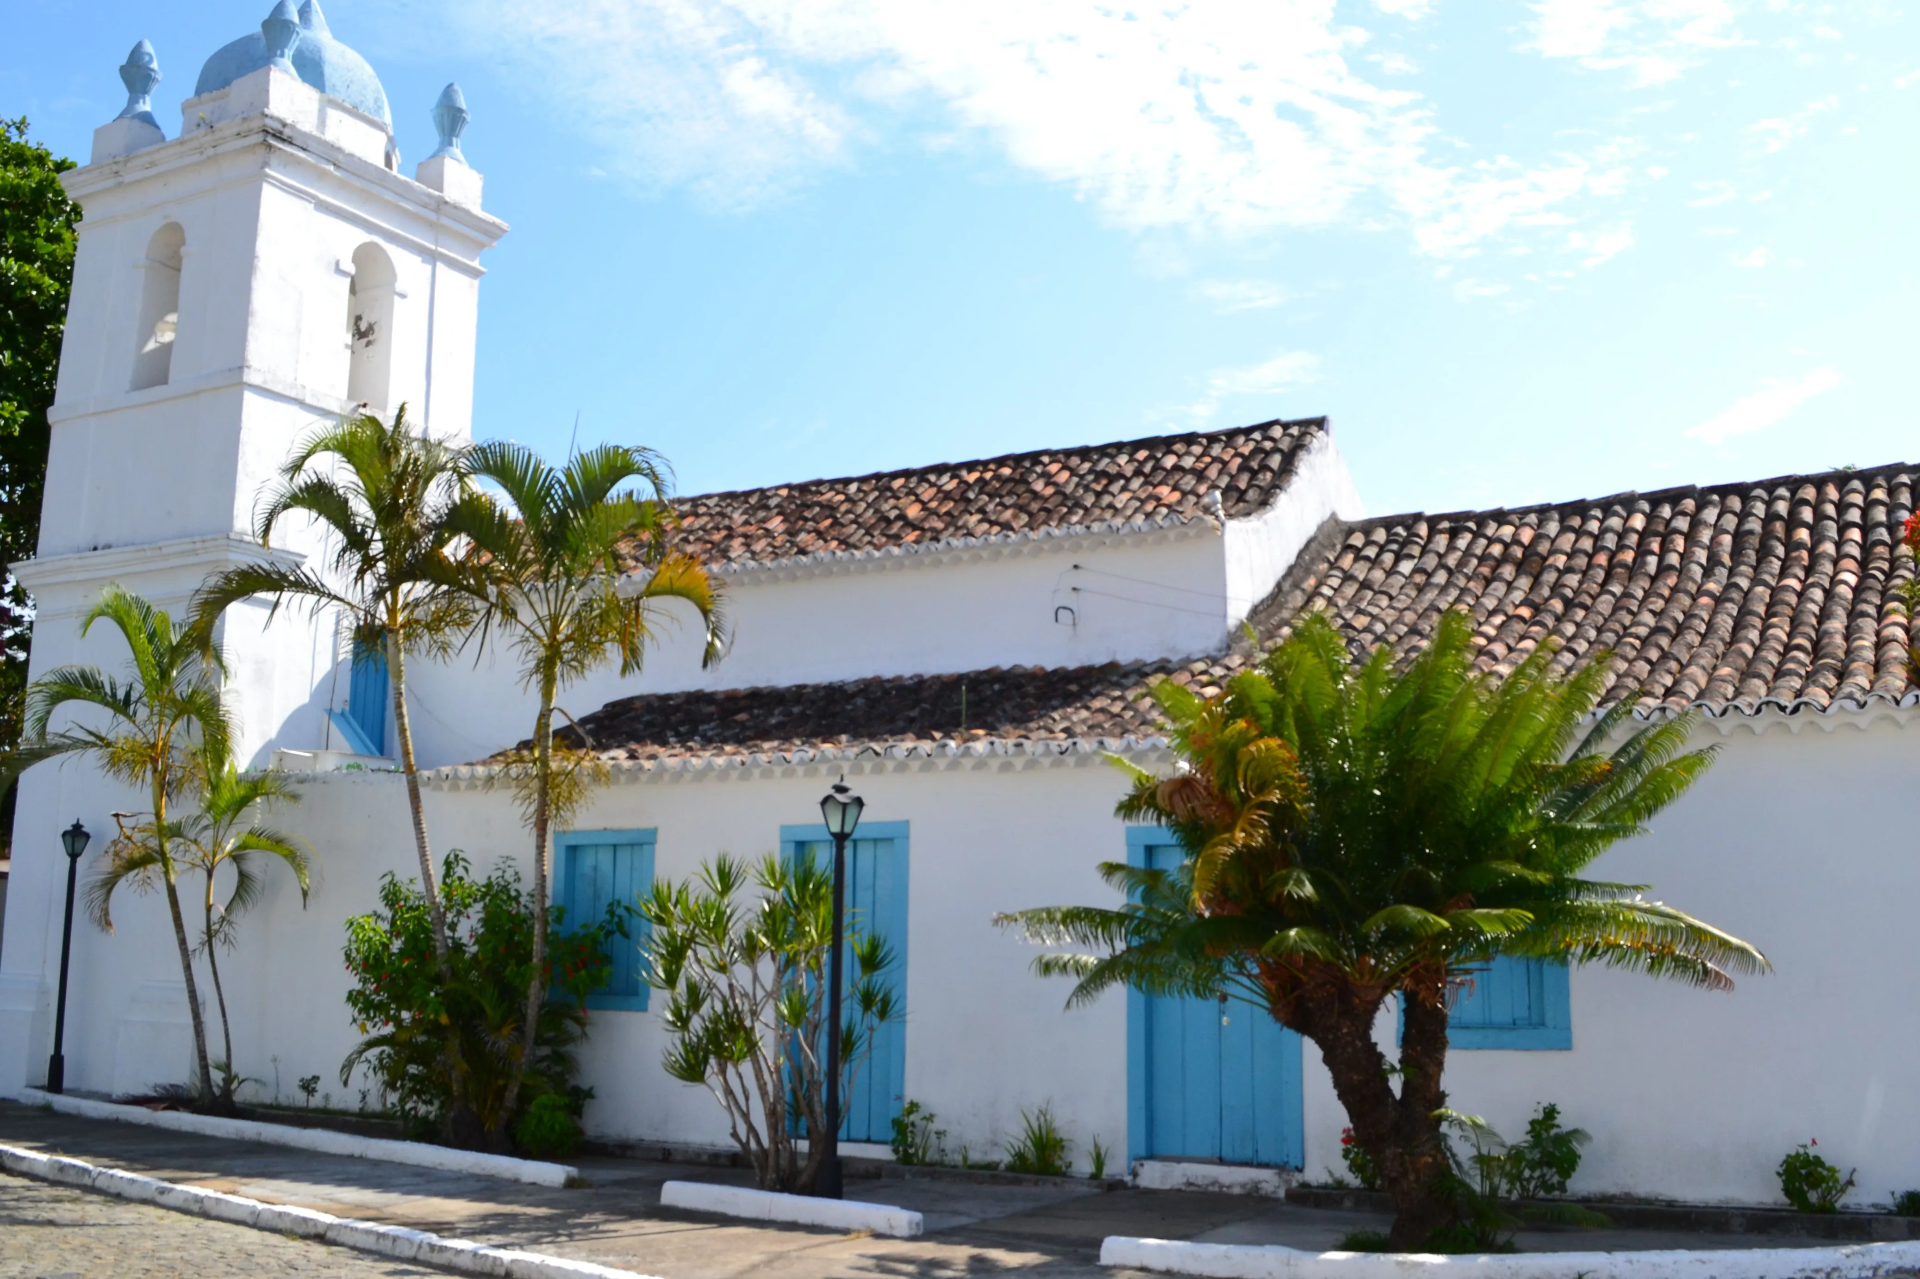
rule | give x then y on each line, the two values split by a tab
564	842
1554	1034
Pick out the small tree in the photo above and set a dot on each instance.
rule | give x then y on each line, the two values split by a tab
157	723
223	837
382	494
36	271
745	982
545	567
1357	832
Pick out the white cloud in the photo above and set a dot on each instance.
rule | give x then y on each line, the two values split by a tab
1405	8
1241	295
1394	63
1654	40
1712	193
1212	117
1289	368
1759	255
1769	137
1775	401
1602	245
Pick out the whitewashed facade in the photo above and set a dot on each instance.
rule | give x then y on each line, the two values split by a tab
280	197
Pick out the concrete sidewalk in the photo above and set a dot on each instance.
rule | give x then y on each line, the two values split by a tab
1046	1230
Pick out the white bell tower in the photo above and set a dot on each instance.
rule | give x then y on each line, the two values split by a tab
262	273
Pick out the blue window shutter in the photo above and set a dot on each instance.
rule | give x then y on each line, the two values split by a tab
592	869
1514	1003
368	695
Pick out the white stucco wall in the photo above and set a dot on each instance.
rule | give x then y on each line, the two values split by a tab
984	1037
1794	841
1140	597
1260	550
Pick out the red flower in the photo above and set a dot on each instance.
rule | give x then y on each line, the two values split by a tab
1910	532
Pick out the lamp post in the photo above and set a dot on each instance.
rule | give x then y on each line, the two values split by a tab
841	809
74	840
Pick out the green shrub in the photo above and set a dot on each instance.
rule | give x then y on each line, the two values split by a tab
1495	1185
1365	1241
1810	1183
1041	1147
1097	1156
420	1023
915	1139
548	1129
1540	1166
1906	1204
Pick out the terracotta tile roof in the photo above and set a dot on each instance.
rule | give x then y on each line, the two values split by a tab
1157	480
1777	593
1729	599
1021	703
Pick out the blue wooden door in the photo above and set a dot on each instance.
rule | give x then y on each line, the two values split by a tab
876	903
1209	1080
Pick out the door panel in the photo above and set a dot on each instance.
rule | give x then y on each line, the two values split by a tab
876	902
1222	1081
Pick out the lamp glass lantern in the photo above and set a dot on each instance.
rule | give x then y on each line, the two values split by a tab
841	811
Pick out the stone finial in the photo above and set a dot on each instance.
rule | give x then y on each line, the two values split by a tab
311	19
282	32
140	73
450	116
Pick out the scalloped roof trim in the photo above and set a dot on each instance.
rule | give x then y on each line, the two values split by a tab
865	752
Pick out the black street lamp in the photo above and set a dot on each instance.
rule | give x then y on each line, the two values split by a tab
842	811
74	840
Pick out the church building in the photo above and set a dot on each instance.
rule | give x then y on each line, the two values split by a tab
966	644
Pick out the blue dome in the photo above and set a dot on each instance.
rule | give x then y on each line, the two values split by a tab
320	60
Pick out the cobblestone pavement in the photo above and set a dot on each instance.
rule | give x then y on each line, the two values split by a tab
57	1232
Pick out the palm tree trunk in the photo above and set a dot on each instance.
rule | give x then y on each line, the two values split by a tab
1401	1133
463	1128
220	999
403	729
542	872
180	939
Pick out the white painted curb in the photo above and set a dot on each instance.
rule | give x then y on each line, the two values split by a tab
397	1242
323	1140
1232	1179
1242	1261
801	1210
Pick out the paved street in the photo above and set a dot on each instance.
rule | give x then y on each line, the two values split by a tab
1047	1231
54	1232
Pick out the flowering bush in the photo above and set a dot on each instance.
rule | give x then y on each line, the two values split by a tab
429	1032
1358	1161
1810	1183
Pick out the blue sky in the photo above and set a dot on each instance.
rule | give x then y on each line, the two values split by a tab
1517	251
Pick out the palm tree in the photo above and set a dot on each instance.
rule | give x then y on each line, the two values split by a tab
156	719
546	569
382	493
1356	832
214	838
